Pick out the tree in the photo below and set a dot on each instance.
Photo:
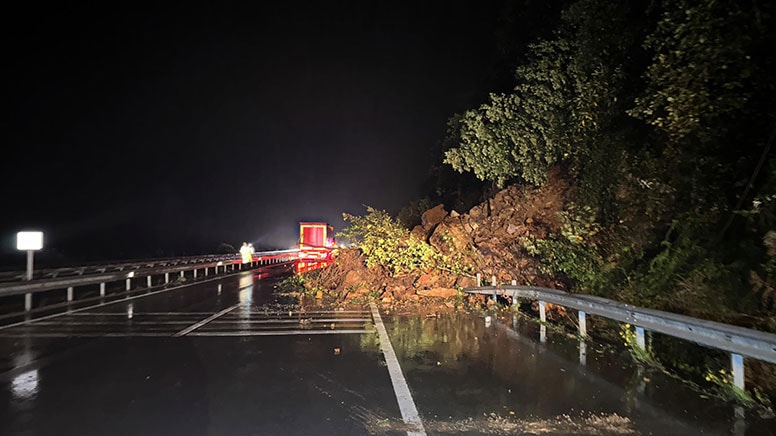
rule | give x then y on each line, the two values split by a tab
565	97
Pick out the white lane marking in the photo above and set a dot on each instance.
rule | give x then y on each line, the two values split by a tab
117	322
84	335
281	332
230	320
167	334
403	395
120	300
193	327
141	313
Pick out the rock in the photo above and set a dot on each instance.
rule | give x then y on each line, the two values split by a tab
432	217
454	214
477	211
358	292
465	282
352	278
438	292
450	237
426	281
512	228
401	292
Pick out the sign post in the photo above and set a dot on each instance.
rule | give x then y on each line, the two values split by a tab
29	242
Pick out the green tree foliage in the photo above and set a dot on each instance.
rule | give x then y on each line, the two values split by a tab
661	113
385	241
701	70
704	95
568	110
565	98
574	252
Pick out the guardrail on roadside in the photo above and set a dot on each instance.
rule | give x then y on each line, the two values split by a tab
738	341
71	277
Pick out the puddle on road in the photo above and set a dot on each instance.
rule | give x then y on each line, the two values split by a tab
467	378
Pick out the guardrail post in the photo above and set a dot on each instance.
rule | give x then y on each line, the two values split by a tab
479	280
129	284
739	425
582	324
28	302
148	281
737	368
582	352
493	283
166	278
542	312
70	293
206	268
102	289
182	275
195	273
640	342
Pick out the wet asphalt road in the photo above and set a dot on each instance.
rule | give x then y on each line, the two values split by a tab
226	357
249	370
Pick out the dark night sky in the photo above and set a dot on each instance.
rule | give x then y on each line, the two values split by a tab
137	131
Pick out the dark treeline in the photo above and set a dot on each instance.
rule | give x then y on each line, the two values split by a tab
661	114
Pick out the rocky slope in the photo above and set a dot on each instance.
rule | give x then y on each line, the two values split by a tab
488	237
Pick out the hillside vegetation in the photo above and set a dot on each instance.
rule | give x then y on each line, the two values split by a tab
632	160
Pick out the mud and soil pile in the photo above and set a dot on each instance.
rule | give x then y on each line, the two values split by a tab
488	238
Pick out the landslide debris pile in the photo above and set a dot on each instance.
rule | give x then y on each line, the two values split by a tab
489	238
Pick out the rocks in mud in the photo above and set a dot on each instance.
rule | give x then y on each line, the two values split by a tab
438	292
489	239
352	279
513	229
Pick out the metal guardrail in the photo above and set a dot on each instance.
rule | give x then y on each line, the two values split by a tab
103	267
738	341
60	278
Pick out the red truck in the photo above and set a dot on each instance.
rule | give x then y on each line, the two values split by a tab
316	244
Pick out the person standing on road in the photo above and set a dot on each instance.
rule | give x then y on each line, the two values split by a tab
245	252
